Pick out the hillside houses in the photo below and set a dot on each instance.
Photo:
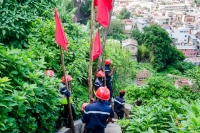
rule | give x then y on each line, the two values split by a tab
181	19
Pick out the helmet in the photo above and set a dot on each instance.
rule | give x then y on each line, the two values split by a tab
68	78
108	61
122	91
50	73
103	93
100	74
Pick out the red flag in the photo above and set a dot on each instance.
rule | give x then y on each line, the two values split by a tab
60	34
109	4
97	50
103	8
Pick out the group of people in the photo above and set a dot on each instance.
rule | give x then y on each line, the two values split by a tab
96	115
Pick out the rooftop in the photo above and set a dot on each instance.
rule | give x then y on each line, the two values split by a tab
143	74
185	47
129	41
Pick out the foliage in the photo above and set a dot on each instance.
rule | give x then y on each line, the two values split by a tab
33	98
85	11
137	35
124	73
197	2
116	30
16	18
157	40
160	87
194	74
143	54
162	115
124	14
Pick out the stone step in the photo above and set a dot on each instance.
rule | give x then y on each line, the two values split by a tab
77	128
113	128
128	108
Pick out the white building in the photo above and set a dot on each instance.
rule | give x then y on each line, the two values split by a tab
180	7
141	24
181	34
162	20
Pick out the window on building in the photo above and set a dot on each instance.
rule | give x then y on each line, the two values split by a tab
132	48
185	49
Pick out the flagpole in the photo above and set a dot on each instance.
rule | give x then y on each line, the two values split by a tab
105	33
91	50
67	87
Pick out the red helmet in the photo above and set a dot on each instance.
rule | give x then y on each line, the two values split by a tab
122	91
50	73
103	93
100	74
108	61
68	78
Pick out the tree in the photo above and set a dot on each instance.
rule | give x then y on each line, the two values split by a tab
195	75
116	30
197	2
157	41
16	17
124	14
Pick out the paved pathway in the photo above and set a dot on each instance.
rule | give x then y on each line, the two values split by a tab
113	128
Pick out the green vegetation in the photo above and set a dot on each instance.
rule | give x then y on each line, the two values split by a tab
116	30
155	47
30	101
162	105
124	14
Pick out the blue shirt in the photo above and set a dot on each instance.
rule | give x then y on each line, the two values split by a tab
107	71
119	104
98	83
96	114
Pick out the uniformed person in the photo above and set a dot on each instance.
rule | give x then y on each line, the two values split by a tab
99	80
97	114
119	105
109	73
65	93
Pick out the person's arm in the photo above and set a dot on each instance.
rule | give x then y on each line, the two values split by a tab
110	117
112	72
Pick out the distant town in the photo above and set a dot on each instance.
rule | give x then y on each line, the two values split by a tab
180	18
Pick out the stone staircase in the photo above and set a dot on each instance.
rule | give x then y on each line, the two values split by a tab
111	127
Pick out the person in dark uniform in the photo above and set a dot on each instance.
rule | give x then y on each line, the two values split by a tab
99	80
138	102
109	73
65	93
119	105
96	115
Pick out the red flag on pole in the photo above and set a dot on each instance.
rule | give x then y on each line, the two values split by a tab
97	50
109	4
60	34
103	8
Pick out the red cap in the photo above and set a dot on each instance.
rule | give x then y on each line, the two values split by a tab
122	91
68	78
100	74
108	61
50	73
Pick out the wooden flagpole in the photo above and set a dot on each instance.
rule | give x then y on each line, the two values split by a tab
91	50
101	59
67	87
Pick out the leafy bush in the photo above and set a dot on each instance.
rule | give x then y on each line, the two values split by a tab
162	115
33	98
124	73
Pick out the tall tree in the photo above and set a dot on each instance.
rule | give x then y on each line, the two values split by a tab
158	42
124	14
116	30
